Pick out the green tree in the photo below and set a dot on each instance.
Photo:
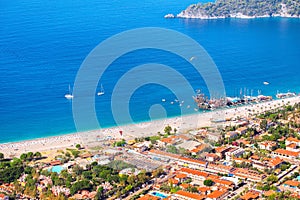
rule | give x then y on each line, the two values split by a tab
165	187
284	167
172	149
192	189
208	182
23	156
266	187
131	179
10	174
142	177
29	155
1	156
28	170
80	185
75	153
68	155
175	130
38	155
87	175
77	170
120	143
272	178
263	124
168	130
100	194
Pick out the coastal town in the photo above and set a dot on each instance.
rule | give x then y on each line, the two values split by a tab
244	157
150	100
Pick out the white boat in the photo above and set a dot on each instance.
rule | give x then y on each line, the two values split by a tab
101	91
69	95
285	95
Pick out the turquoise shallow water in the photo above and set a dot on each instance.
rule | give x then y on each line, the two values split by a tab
42	46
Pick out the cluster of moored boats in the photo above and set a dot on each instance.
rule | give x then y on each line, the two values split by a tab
285	95
205	103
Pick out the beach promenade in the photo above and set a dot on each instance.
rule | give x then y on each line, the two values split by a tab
181	123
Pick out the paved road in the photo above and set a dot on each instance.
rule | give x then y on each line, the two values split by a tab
290	171
241	189
137	192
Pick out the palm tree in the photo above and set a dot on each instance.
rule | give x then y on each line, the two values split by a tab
38	155
1	156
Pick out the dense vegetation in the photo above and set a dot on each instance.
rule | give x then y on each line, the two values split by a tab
92	178
11	170
253	8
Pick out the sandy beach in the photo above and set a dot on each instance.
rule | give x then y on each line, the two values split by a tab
181	123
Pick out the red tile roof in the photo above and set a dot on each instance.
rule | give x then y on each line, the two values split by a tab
194	172
185	185
173	181
55	162
219	167
172	139
203	189
212	155
250	195
190	195
275	161
168	140
292	145
148	197
287	152
199	148
255	157
292	139
245	173
292	183
223	182
180	175
216	194
269	193
220	149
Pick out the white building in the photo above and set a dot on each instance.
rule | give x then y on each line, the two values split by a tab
234	152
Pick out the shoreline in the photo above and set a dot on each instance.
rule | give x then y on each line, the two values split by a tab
233	16
228	9
94	137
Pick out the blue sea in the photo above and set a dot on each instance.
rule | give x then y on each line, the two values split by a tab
43	44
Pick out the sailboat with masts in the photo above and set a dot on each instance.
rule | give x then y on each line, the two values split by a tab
69	95
101	92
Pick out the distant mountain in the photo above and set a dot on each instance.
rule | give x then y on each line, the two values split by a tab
243	9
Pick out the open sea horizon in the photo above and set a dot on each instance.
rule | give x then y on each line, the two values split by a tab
42	46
